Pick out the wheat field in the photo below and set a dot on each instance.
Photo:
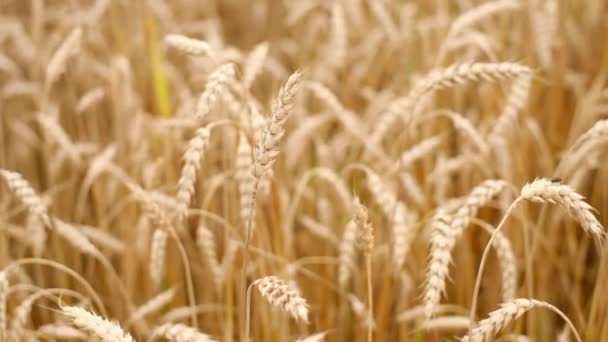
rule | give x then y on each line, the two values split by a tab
303	170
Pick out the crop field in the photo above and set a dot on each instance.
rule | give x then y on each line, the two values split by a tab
303	170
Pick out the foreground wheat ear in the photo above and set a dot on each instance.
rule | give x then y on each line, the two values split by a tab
544	190
446	230
487	329
265	153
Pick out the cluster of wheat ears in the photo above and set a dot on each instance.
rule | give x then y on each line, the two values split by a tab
303	170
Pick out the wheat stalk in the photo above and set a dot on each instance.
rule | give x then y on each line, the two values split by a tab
99	326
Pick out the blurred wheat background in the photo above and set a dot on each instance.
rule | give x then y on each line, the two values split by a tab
303	170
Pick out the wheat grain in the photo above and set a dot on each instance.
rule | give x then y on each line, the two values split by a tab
99	326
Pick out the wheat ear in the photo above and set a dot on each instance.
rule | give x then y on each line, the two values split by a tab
254	63
488	328
365	242
3	296
346	254
397	213
207	246
181	333
338	43
451	76
158	248
192	161
544	190
446	229
189	46
244	165
266	148
99	326
280	295
60	331
27	195
58	63
318	337
153	305
216	84
266	151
